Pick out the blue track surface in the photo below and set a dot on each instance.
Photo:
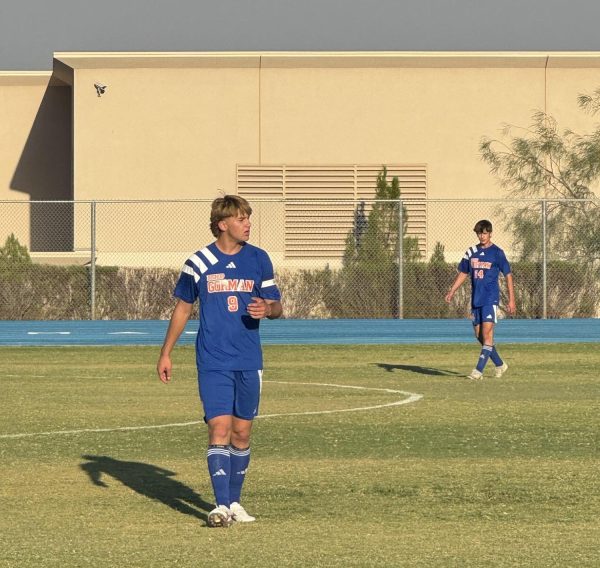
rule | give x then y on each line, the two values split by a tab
302	332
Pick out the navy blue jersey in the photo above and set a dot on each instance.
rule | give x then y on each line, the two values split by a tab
228	338
484	266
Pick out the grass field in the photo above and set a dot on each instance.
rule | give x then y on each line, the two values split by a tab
493	473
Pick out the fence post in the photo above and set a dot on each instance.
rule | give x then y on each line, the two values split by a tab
93	262
544	261
400	260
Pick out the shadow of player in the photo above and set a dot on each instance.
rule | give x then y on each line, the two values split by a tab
418	369
149	480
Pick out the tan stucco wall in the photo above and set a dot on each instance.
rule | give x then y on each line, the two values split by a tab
160	134
174	126
35	157
21	95
431	116
163	134
564	86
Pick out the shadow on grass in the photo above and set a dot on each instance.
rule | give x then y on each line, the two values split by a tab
149	480
418	369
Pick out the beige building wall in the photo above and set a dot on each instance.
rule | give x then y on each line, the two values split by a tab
35	159
567	78
176	125
403	113
401	109
165	128
163	134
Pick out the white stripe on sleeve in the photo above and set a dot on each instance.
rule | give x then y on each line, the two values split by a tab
189	270
267	283
470	252
198	262
209	255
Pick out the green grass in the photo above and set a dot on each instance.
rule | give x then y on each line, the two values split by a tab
492	473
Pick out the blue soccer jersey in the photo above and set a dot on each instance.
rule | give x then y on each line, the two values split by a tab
228	338
484	266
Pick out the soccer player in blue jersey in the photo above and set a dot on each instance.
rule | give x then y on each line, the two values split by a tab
234	284
483	263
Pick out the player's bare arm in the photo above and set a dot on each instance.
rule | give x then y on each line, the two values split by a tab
260	308
180	317
458	282
512	306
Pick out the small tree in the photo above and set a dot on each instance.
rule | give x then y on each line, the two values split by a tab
544	162
374	237
437	256
13	253
367	284
16	297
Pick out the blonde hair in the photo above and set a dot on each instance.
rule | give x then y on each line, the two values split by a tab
227	206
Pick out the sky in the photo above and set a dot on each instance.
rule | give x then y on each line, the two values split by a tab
32	30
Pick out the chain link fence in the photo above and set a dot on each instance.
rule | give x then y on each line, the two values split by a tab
333	259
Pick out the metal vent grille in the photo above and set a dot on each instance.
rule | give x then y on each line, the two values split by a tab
320	201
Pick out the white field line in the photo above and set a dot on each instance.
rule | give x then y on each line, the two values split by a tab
127	333
48	333
412	397
28	376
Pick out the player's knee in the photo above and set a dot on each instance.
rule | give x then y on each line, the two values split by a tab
240	438
219	433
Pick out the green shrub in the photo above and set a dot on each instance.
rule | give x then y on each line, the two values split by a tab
13	254
305	292
360	290
572	289
371	291
45	292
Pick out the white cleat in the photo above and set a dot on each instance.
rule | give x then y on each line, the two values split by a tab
239	514
475	375
499	371
220	517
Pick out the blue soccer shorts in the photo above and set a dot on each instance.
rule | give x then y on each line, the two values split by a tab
231	393
483	314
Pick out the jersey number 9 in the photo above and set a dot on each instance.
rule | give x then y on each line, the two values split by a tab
232	303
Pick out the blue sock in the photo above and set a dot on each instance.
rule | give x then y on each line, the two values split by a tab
240	459
486	351
496	359
219	469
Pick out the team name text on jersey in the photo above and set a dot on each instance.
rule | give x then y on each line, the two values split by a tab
476	263
230	285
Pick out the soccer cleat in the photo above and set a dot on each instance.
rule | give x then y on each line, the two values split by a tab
239	514
220	517
499	371
475	375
